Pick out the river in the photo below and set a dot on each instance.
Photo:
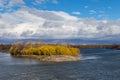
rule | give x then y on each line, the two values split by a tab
96	64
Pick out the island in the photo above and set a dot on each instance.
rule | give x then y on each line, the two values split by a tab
57	52
45	52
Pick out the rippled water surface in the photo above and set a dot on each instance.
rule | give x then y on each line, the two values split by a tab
96	64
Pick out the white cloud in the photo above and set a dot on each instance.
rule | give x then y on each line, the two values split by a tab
1	3
10	3
19	2
6	3
55	1
33	23
76	13
39	2
92	12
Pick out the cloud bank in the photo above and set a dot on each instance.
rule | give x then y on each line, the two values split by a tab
33	23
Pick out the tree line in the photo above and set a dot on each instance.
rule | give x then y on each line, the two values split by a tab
5	47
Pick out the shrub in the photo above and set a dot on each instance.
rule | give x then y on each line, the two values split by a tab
14	51
74	51
62	50
47	50
19	49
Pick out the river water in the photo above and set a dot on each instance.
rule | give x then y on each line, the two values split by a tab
96	64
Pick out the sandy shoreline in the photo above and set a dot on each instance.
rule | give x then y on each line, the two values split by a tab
53	58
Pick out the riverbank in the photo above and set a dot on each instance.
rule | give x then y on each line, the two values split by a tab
52	58
60	58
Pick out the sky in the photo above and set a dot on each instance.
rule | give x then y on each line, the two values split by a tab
60	19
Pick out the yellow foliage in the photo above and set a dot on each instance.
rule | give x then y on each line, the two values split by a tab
14	50
74	51
62	50
44	50
47	50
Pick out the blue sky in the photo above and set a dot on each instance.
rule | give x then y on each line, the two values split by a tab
99	9
61	19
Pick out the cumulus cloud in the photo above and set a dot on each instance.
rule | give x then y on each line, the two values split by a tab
39	2
33	23
10	3
21	3
2	3
55	1
76	13
92	12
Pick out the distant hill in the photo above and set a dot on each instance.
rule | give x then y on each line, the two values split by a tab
74	41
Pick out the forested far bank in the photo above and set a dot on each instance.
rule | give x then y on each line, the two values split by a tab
5	47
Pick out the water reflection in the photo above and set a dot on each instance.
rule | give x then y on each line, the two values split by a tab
7	59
